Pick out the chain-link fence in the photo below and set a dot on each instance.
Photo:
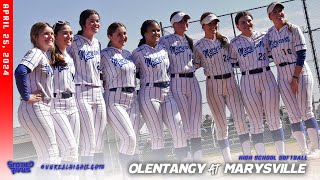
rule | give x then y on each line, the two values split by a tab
295	14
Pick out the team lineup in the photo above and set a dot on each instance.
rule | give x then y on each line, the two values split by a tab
71	87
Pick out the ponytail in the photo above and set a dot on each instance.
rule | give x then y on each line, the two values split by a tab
190	42
142	41
109	44
289	25
57	57
223	40
80	32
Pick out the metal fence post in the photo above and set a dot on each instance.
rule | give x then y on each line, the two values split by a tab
311	40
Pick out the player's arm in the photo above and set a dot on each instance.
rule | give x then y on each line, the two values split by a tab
135	59
301	56
268	49
300	48
20	74
197	58
233	57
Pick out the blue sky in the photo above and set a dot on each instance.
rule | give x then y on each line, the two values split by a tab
130	12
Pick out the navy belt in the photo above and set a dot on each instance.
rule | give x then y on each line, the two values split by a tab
83	85
159	84
186	75
124	89
285	63
64	95
223	76
255	71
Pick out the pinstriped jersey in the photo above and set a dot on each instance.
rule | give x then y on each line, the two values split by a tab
283	44
180	54
214	58
251	52
117	68
152	63
86	56
41	75
64	76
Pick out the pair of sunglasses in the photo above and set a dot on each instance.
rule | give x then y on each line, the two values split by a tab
59	23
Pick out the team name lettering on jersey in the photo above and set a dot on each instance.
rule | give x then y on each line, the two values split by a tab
119	61
87	55
60	68
274	44
49	70
212	51
153	61
247	50
178	49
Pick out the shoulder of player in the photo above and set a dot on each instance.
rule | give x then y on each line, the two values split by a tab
138	49
161	46
271	30
76	37
259	33
199	42
110	51
107	49
166	38
34	52
295	27
235	39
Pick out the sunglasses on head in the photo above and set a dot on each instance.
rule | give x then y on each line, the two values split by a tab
59	23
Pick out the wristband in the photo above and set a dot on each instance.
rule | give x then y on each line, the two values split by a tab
295	77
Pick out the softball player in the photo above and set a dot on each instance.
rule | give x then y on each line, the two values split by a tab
119	83
212	53
34	78
64	110
184	85
258	85
157	104
288	49
85	51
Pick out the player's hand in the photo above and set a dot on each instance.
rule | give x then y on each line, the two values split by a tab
35	97
294	86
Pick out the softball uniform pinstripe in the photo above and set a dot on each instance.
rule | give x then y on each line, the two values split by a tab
283	45
134	114
258	85
184	85
222	89
157	104
90	102
64	110
35	118
119	83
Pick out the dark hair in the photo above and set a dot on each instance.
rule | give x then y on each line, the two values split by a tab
112	28
83	17
56	55
241	14
223	40
190	42
144	27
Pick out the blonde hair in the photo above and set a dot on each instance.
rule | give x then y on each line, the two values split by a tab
36	29
289	25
